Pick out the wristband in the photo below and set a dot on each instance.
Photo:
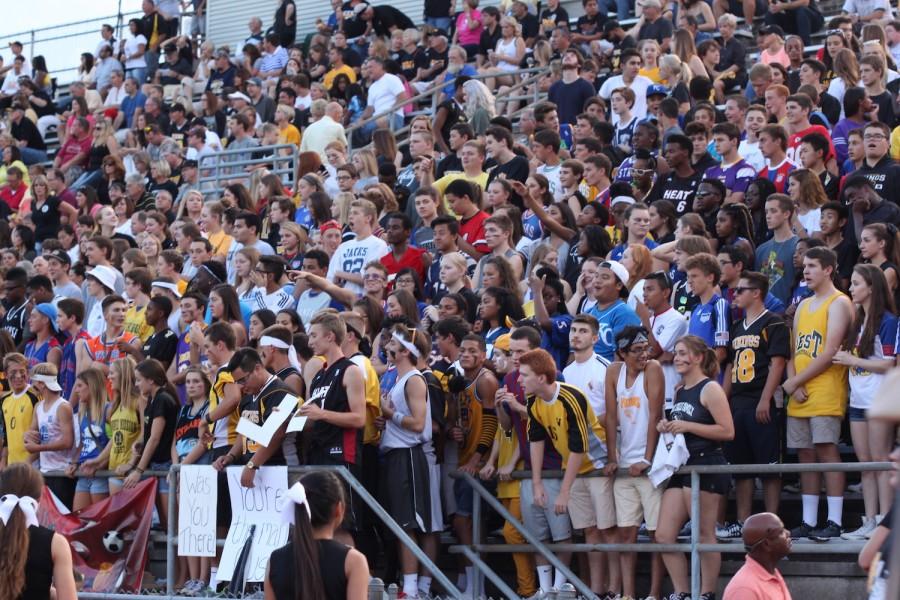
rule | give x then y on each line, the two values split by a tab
645	461
397	419
139	470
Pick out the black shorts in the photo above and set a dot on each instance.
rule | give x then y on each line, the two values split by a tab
754	443
737	8
355	509
714	484
223	500
405	488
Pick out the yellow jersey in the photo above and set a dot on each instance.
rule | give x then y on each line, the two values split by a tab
479	425
18	411
570	423
224	430
220	241
827	392
124	431
371	435
508	443
136	322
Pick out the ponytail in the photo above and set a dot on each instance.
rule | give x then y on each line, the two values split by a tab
709	364
21	480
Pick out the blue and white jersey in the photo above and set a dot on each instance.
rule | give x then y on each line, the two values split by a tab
612	320
531	225
863	383
711	322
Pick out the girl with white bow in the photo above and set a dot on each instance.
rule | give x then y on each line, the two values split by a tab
312	564
34	559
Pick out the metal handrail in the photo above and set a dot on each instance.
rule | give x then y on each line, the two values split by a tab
694	546
218	170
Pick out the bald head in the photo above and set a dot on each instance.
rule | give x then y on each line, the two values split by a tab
335	111
764	534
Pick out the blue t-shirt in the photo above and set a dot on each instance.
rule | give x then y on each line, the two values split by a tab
710	321
303	217
619	251
612	320
775	260
556	341
129	105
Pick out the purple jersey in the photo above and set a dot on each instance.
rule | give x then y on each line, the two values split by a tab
736	176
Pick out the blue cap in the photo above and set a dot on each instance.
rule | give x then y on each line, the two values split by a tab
657	90
49	311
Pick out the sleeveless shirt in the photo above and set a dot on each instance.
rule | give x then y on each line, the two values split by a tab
634	417
327	391
49	430
828	391
395	436
38	565
289	443
471	415
688	407
332	555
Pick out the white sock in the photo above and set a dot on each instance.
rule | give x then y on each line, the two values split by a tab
545	574
411	584
425	584
558	579
835	508
810	509
213	571
470	580
461	581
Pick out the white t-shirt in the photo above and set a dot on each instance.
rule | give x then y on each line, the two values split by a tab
811	221
590	377
636	295
667	328
552	175
383	94
353	255
131	46
639	87
864	8
751	153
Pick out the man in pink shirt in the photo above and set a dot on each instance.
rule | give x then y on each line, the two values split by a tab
74	151
767	542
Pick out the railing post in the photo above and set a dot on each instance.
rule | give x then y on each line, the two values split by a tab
695	535
476	539
376	589
171	536
31	47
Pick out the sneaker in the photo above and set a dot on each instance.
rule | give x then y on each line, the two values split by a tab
792	488
403	594
744	30
708	596
801	531
685	531
188	589
823	534
855	487
729	531
863	533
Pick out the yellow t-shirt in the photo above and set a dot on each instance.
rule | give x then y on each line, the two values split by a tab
652	74
124	431
569	423
827	392
18	411
895	143
289	135
136	322
328	78
508	442
371	435
221	242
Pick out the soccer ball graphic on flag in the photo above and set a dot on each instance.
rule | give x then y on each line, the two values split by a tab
113	542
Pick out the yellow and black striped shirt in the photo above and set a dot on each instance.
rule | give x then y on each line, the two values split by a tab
570	423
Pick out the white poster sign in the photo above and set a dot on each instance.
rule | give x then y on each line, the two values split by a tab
262	434
258	506
197	511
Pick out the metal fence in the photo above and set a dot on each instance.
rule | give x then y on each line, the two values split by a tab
694	547
223	167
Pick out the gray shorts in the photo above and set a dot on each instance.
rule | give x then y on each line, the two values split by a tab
544	523
806	432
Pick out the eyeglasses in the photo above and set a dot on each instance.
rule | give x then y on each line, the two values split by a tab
740	290
641	172
874	136
705	193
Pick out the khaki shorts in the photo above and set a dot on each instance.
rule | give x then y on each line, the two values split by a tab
591	503
636	500
805	432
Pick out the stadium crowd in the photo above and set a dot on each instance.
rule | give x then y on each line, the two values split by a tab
685	253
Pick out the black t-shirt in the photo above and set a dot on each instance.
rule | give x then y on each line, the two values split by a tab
387	17
46	219
47	109
181	67
615	59
26	131
733	52
885	178
885	102
658	30
448	164
679	191
570	98
257	409
591	25
488	40
436	60
455	114
167	185
351	58
553	18
706	161
831	108
351	25
161	346
885	212
517	169
221	80
847	255
411	62
831	184
164	406
437	8
530	26
751	349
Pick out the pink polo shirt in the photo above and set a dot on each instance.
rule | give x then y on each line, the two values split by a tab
753	582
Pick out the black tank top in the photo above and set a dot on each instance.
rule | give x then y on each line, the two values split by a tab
332	556
687	407
38	565
329	444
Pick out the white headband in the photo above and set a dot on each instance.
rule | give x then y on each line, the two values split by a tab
408	345
297	495
274	342
26	504
167	286
49	380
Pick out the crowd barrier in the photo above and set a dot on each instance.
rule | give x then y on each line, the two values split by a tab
224	166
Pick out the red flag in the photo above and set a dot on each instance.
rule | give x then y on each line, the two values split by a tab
109	539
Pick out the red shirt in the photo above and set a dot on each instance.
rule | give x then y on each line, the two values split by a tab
793	153
472	231
13	197
72	147
411	258
778	175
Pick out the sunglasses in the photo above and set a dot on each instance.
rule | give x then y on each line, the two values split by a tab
740	290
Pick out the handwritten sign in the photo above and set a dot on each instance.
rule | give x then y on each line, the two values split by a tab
262	434
258	506
197	511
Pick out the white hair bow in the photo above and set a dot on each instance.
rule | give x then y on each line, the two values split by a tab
297	495
26	504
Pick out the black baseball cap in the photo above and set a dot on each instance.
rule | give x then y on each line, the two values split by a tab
61	255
